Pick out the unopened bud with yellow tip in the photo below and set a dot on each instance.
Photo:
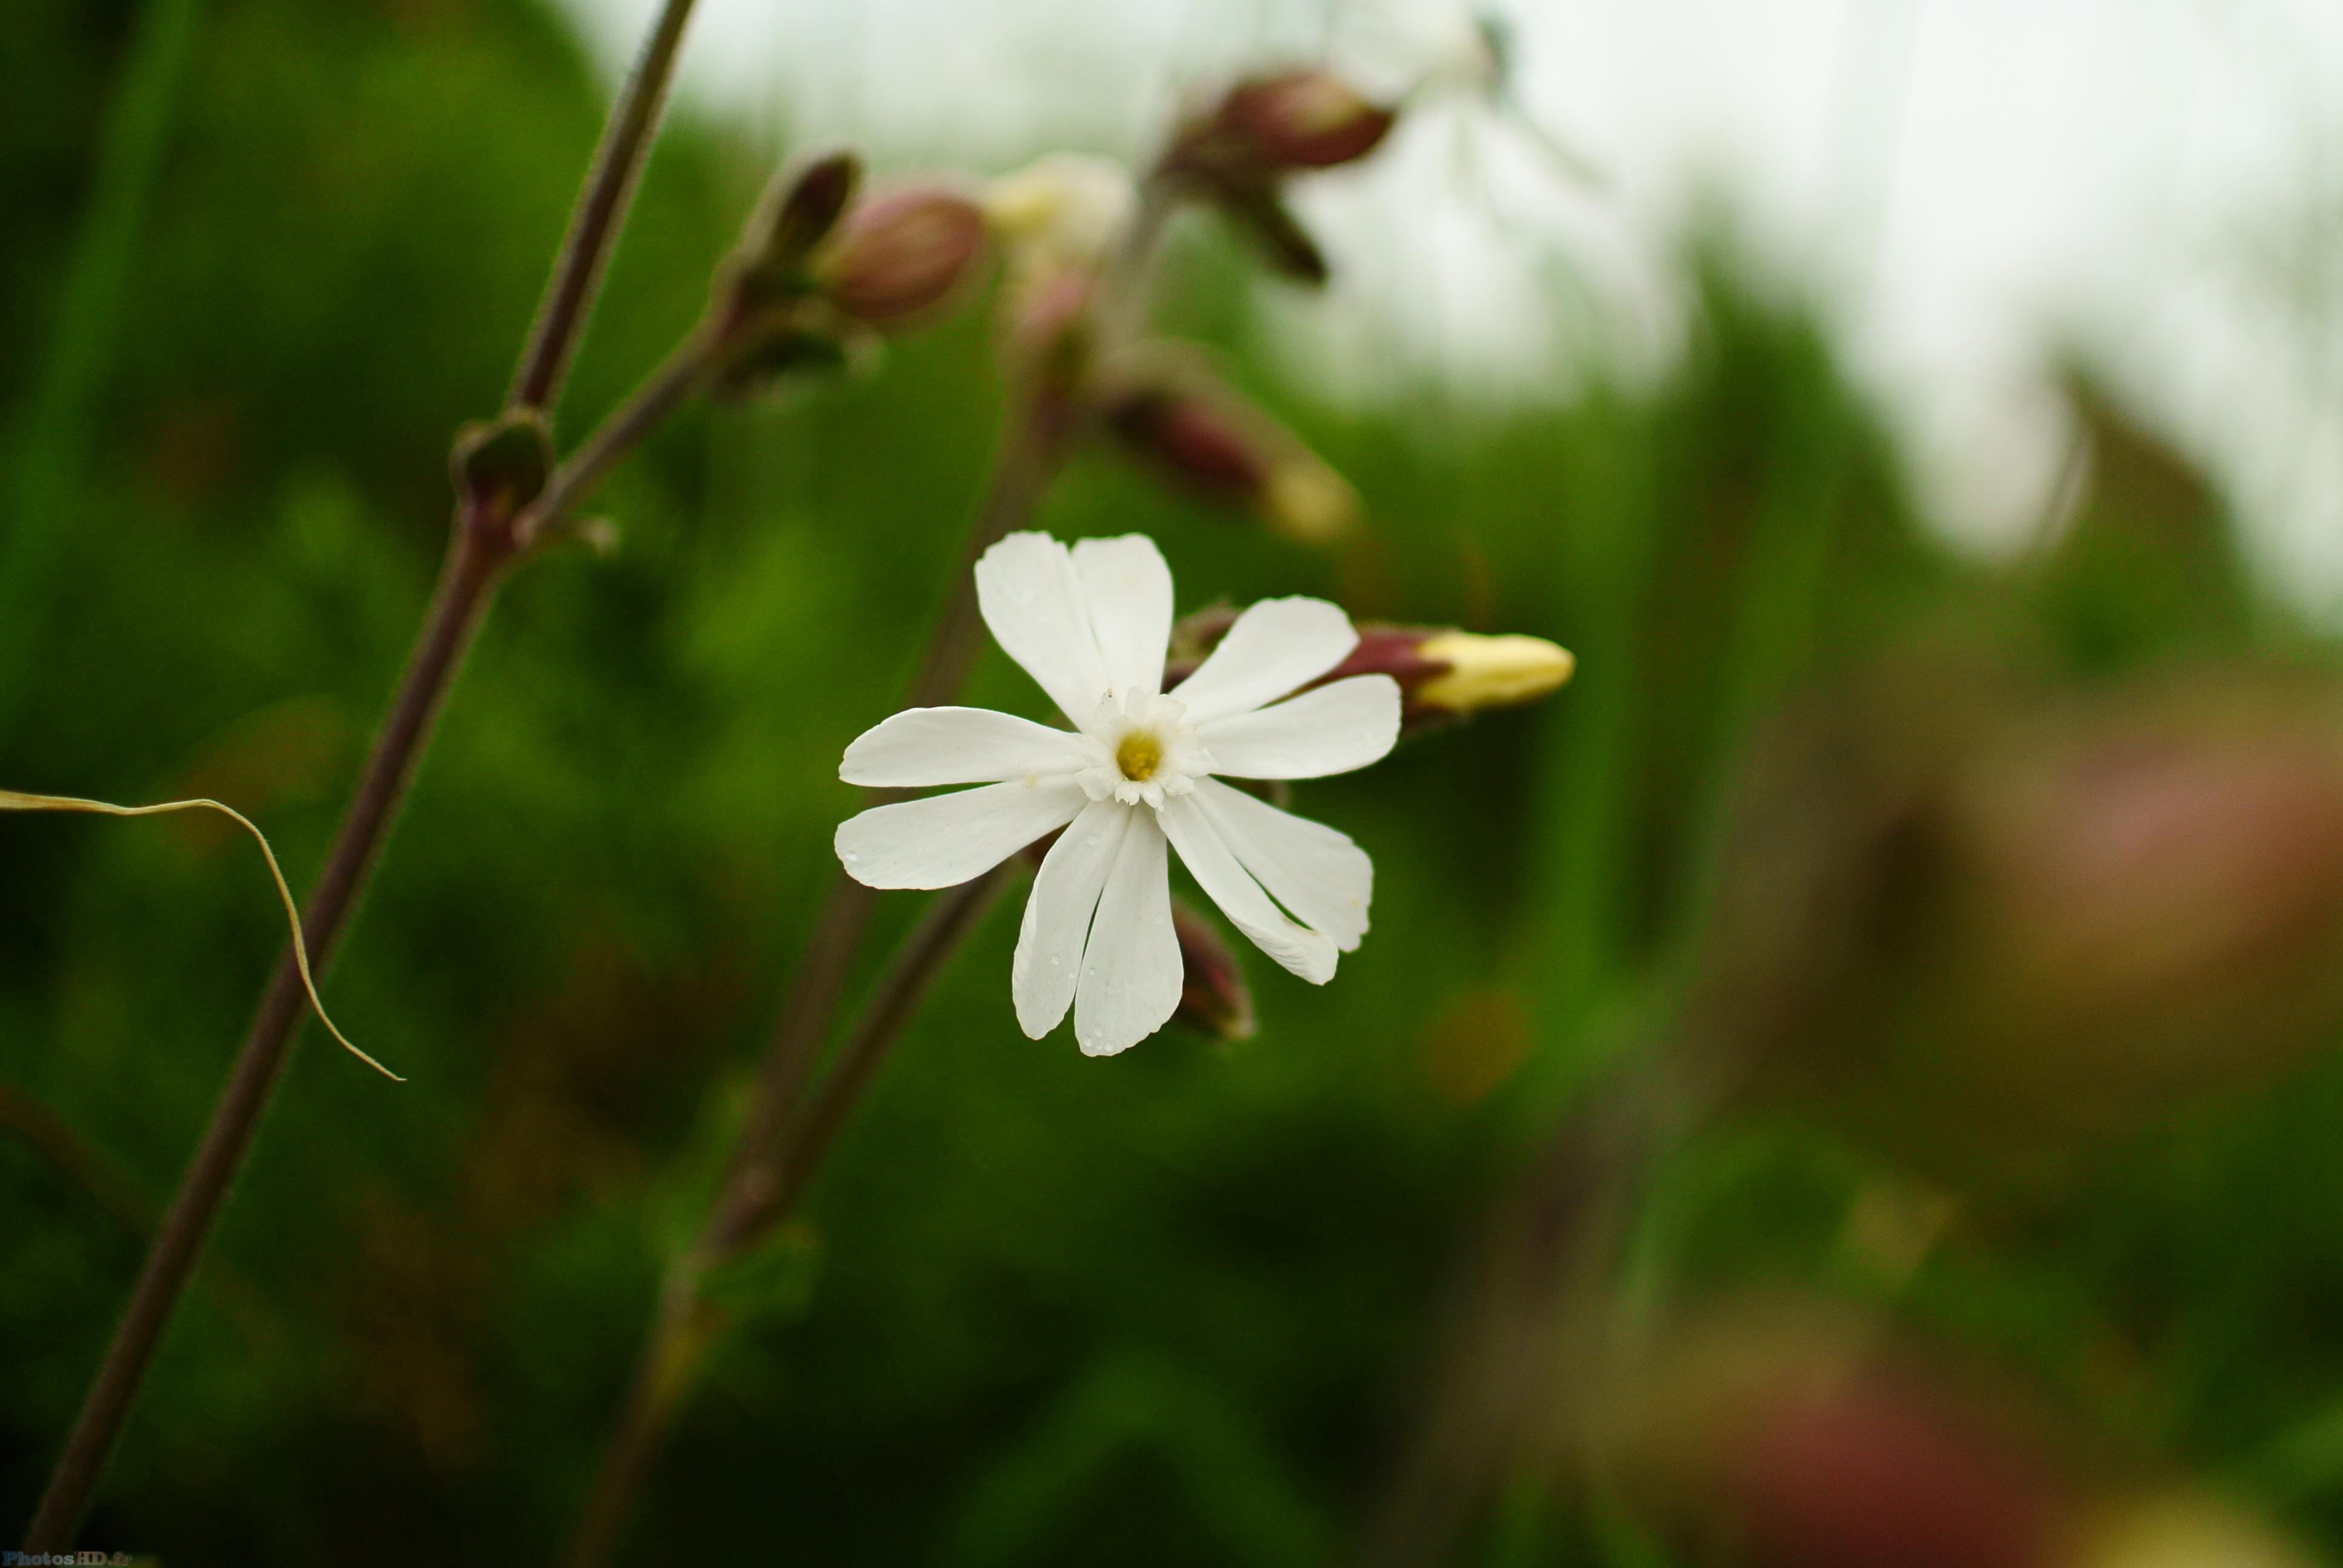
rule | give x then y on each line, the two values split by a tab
1307	501
1200	437
1444	673
1490	671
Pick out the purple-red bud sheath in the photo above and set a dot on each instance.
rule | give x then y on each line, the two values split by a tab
808	209
900	256
1305	119
1200	436
1213	996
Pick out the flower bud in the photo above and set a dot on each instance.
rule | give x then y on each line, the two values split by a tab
1267	127
901	257
1238	156
1306	119
767	275
1213	997
501	465
1444	673
809	205
1065	210
1201	438
1448	674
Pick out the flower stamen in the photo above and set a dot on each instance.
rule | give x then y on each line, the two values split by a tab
1139	756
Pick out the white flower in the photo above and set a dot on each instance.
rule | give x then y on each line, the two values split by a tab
1065	210
1136	776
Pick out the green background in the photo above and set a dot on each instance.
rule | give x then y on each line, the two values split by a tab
1170	1308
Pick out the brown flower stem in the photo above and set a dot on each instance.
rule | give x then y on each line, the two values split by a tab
775	1155
473	566
1035	449
601	206
660	395
894	1002
686	1325
484	545
778	1152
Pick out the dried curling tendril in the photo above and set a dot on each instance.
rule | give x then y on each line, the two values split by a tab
14	800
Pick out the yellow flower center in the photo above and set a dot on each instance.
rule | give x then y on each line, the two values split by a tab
1139	756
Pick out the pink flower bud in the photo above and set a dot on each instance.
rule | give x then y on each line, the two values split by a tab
1238	156
902	255
1194	443
1213	997
1305	119
1201	438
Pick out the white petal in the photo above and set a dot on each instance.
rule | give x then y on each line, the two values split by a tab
1214	866
925	746
1130	592
1058	915
1131	972
1316	872
1032	600
1276	646
945	840
1333	729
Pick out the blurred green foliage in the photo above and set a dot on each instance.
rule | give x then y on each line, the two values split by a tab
1166	1309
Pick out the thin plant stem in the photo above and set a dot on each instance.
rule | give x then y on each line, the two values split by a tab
665	389
463	594
601	207
778	1152
762	1177
1030	458
482	548
51	444
684	1325
894	1002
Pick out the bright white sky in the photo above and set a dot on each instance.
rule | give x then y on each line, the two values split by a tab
1970	188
